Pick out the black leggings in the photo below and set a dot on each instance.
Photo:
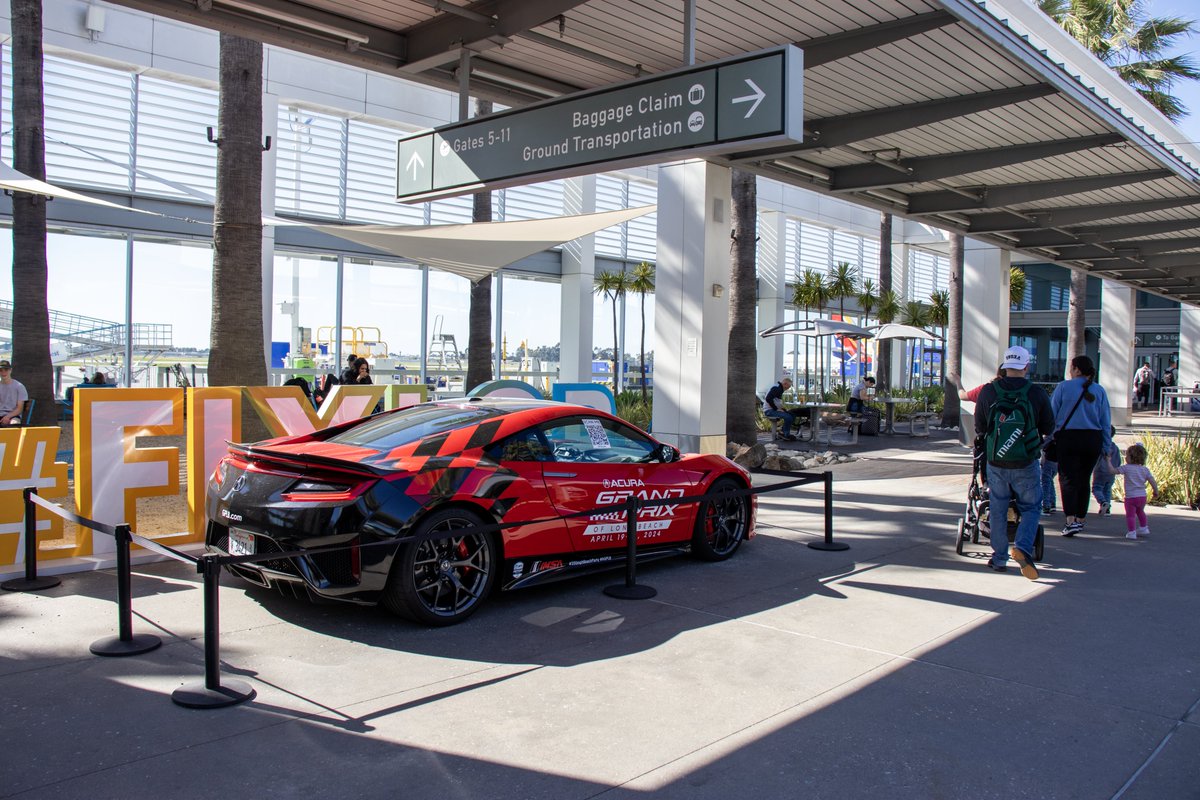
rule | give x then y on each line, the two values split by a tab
1078	452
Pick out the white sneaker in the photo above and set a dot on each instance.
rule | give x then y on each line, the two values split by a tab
1131	535
1143	533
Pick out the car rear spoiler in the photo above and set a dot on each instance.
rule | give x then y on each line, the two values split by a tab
290	460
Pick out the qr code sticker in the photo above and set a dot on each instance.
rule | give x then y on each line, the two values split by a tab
597	433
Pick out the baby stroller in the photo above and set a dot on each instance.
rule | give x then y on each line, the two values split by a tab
976	523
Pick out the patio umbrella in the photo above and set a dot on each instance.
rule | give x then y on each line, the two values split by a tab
815	328
894	330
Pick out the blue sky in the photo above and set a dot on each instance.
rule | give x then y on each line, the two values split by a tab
1187	91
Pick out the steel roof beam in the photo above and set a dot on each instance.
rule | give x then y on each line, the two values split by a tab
1146	247
849	128
824	49
1010	194
440	40
1104	233
994	222
949	165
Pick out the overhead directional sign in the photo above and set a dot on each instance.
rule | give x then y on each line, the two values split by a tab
735	104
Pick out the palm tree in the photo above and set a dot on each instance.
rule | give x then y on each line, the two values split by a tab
813	293
613	286
740	411
915	313
1017	283
883	370
939	314
1121	35
843	283
30	272
237	356
480	348
641	282
867	298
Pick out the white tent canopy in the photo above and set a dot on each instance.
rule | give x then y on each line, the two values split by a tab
476	250
818	327
894	330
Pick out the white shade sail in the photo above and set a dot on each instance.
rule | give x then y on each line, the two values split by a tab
476	250
818	327
15	181
894	330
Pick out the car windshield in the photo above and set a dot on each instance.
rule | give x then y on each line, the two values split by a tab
387	432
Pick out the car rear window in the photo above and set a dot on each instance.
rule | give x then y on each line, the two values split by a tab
387	432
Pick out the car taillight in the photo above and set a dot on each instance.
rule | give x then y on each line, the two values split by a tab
218	476
319	491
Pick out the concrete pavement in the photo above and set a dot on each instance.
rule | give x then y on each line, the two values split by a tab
893	669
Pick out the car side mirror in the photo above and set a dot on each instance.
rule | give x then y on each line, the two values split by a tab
666	453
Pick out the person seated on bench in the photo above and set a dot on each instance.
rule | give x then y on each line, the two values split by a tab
773	408
858	397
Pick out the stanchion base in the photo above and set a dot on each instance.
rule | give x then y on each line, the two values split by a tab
639	591
822	545
113	645
29	585
197	695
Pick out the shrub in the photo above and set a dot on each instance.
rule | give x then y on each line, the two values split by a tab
1175	462
633	410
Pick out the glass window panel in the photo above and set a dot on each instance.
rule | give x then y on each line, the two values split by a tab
371	177
532	314
173	150
309	283
165	272
87	114
535	201
308	163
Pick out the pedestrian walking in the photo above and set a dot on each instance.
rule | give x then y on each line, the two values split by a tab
1136	476
1082	421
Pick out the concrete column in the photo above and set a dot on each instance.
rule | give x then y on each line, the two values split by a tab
1118	315
898	377
1189	345
578	278
691	324
772	295
270	117
985	310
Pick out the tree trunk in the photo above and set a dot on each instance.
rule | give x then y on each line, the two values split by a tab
952	357
1075	316
237	356
643	350
740	405
883	370
616	373
479	339
30	272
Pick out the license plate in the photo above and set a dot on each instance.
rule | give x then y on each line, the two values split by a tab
241	543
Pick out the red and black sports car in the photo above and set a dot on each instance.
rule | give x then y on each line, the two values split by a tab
416	476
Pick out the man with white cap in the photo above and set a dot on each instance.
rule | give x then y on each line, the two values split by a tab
1012	416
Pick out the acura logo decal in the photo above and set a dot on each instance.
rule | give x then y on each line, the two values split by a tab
240	484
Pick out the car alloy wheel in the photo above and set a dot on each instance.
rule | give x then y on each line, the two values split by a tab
721	522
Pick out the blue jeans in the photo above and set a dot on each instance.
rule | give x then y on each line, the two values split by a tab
1049	470
1025	486
1102	487
789	420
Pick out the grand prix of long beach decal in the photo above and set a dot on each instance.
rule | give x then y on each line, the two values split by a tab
115	462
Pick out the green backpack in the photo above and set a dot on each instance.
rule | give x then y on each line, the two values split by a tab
1012	432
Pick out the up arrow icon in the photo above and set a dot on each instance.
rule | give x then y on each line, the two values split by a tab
417	161
753	99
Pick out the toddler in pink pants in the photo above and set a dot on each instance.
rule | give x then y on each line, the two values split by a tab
1136	477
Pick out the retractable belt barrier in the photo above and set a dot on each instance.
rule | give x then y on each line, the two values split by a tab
212	692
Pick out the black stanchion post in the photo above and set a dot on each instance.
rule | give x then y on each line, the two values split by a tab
212	693
828	543
125	643
630	590
31	582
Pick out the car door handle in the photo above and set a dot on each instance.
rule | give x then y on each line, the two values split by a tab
559	474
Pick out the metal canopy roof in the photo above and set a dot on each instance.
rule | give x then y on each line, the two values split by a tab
931	109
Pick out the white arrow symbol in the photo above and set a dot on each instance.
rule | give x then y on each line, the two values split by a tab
414	162
757	97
